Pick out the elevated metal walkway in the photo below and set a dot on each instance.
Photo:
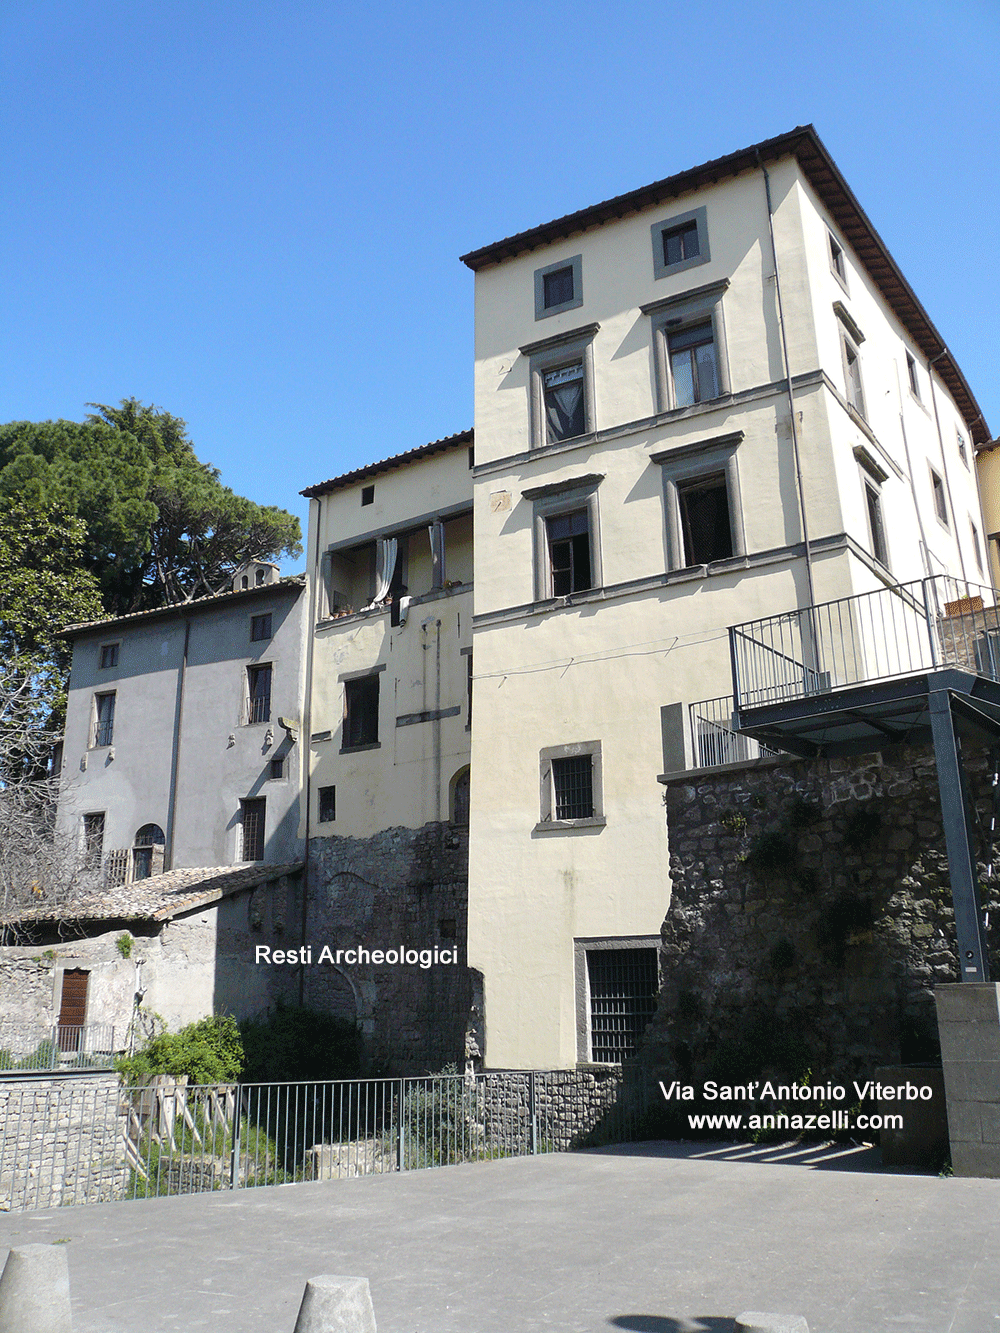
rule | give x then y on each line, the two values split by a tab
918	663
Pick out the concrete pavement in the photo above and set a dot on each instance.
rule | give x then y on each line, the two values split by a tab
654	1238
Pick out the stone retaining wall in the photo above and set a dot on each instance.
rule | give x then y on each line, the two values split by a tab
62	1141
810	918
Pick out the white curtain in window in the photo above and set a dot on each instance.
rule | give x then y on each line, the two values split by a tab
386	549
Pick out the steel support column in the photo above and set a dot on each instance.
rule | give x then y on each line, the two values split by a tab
959	840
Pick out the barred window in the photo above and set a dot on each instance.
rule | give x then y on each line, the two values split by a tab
573	787
252	821
622	985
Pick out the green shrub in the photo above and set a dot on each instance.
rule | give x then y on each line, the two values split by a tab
209	1051
124	944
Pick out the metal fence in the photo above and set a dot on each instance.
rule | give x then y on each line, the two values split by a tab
36	1046
714	740
904	630
72	1140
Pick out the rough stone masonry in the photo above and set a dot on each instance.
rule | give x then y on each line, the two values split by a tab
810	917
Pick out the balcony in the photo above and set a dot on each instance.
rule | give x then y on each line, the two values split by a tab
852	675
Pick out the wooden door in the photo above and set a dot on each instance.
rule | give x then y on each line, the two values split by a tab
72	1008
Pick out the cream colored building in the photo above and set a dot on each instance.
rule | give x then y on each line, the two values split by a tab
710	400
388	696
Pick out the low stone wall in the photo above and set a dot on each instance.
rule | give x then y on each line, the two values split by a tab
810	919
62	1141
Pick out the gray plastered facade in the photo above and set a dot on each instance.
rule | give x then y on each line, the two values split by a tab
186	749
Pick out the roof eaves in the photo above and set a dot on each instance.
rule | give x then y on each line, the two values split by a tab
836	195
171	608
462	437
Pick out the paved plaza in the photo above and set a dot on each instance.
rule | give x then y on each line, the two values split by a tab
654	1238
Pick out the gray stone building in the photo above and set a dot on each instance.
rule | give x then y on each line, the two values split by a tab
182	728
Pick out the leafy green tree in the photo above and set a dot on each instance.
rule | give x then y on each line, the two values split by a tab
42	586
159	525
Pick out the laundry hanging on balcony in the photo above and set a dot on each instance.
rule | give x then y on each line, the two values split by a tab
386	553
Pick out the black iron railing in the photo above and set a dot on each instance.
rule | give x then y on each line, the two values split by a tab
899	631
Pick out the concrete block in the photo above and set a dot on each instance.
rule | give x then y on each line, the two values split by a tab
34	1291
969	1041
968	1002
976	1159
975	1081
964	1125
336	1305
989	1120
754	1321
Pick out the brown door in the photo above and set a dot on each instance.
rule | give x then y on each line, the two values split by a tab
72	1009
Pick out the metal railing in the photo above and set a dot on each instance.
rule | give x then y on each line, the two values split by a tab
714	740
68	1141
905	630
30	1046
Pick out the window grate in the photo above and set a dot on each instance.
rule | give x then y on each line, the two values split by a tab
573	783
623	986
252	818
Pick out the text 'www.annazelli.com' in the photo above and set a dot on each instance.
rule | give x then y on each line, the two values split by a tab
833	1120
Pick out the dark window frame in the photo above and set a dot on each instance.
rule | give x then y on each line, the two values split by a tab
699	550
257	709
362	700
104	719
673	226
543	309
108	656
262	627
253	828
326	805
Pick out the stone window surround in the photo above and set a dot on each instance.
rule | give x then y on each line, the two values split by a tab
687	463
551	500
581	947
575	262
549	354
675	313
546	794
661	269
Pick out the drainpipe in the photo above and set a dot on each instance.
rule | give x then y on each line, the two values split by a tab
788	384
944	461
313	577
168	855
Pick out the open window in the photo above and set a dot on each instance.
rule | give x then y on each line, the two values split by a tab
561	386
567	536
361	698
258	699
701	495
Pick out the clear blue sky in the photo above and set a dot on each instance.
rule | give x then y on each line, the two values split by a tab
251	213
